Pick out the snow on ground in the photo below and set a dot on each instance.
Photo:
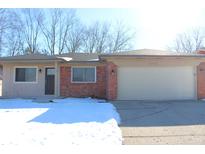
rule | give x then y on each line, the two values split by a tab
61	123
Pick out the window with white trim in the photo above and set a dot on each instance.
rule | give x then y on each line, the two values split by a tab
25	74
84	74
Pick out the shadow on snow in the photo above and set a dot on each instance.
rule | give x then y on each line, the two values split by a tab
66	113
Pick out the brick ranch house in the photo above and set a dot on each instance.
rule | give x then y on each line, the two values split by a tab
132	75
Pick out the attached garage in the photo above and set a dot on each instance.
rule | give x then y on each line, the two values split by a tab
156	83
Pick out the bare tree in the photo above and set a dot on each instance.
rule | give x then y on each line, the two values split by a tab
31	20
91	38
50	31
67	20
3	27
3	19
23	32
75	37
15	42
189	42
14	35
121	38
56	33
103	37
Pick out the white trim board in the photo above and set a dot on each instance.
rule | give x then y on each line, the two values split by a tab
32	82
83	67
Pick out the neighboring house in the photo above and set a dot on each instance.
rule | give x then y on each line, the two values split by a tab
133	75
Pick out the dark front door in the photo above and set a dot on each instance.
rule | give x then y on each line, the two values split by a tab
49	81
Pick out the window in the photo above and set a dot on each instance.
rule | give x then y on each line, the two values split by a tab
25	74
50	71
84	74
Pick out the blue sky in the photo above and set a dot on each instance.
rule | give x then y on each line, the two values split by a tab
155	27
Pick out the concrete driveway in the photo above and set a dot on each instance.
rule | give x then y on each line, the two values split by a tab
162	122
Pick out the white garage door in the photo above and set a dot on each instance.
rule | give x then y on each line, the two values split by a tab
156	83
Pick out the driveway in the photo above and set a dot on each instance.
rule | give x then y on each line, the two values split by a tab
162	122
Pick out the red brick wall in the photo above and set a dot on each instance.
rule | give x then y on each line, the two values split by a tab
201	51
111	88
69	89
201	80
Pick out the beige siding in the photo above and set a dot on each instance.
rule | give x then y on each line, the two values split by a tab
12	89
161	62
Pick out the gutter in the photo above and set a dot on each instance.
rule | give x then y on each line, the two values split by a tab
29	60
154	56
49	61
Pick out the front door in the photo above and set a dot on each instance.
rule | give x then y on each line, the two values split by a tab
49	81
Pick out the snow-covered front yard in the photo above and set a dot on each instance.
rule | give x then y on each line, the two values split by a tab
64	122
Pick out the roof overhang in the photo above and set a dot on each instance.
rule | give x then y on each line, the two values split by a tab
62	61
106	57
29	61
74	61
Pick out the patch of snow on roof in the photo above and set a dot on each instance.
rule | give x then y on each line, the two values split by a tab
94	59
66	58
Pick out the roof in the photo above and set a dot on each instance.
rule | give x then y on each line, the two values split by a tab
94	57
28	57
78	57
143	52
71	57
151	53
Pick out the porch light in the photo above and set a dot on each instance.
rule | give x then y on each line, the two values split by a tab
40	70
113	72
